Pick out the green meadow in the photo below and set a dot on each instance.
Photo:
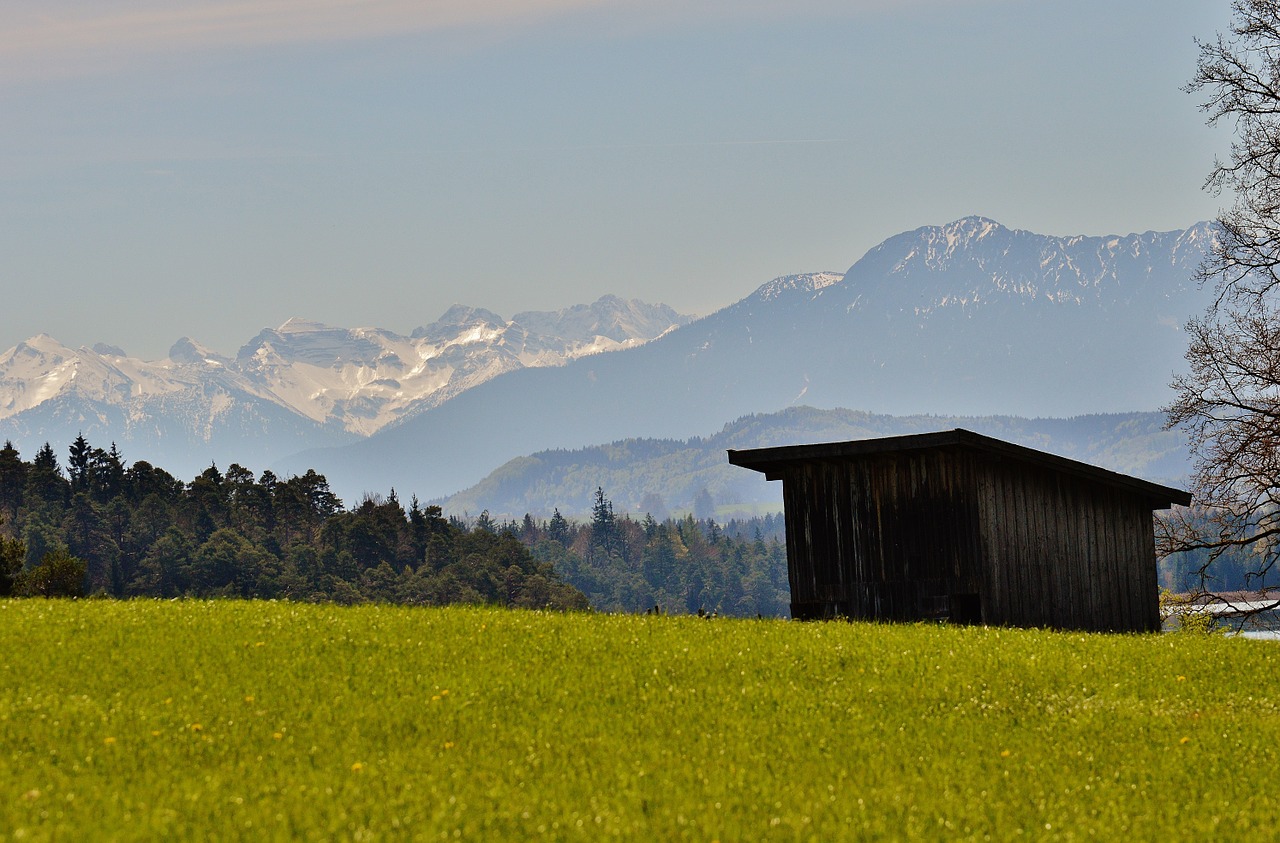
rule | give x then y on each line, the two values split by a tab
222	720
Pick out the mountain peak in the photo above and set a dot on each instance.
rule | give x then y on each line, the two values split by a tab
460	314
975	259
44	343
297	325
107	350
456	317
611	317
187	350
972	227
811	282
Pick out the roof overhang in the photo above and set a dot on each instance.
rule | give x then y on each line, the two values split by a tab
774	462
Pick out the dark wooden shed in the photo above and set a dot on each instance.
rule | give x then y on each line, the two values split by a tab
962	527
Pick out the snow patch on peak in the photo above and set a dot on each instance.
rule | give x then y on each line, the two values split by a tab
1199	238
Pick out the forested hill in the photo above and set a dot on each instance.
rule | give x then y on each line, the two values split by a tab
664	476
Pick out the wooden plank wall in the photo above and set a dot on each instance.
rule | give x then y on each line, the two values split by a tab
890	537
1066	553
897	536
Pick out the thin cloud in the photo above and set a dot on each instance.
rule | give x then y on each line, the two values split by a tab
139	29
47	38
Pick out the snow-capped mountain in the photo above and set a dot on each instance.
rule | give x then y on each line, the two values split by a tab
366	378
968	318
975	261
180	413
303	384
974	317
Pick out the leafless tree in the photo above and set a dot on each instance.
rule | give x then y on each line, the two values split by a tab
1229	402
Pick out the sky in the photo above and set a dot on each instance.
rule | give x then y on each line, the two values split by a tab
208	168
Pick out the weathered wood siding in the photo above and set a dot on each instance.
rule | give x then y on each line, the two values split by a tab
891	536
954	533
1063	552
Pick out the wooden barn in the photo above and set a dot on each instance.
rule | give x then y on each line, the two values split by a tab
962	527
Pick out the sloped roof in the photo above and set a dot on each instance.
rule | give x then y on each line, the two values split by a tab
774	461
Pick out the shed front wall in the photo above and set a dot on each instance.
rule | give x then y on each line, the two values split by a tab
891	536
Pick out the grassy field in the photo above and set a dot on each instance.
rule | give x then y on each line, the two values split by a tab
218	720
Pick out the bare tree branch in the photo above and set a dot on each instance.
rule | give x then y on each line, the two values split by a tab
1229	401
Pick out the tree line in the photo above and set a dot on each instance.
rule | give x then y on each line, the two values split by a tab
677	565
100	526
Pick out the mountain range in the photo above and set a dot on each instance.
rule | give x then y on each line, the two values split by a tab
965	319
300	385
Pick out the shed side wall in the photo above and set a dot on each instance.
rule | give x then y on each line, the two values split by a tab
1059	551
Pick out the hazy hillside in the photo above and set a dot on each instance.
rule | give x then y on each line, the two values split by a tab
664	476
969	318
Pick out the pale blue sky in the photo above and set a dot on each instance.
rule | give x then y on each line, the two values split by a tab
211	167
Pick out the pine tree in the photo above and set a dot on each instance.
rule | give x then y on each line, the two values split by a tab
13	480
558	528
44	478
12	554
604	528
78	463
